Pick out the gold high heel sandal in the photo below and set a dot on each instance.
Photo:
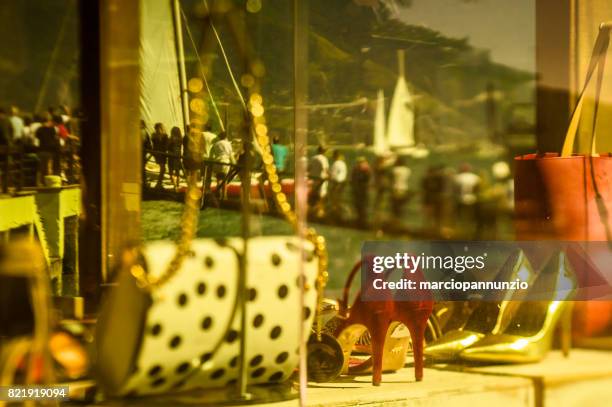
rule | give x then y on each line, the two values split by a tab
395	350
487	317
529	335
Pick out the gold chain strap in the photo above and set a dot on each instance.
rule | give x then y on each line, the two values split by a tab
189	223
191	212
261	131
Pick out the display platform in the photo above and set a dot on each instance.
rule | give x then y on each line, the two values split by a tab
583	379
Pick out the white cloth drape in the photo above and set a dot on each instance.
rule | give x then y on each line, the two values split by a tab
160	96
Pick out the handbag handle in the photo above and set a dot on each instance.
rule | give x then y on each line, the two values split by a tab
598	60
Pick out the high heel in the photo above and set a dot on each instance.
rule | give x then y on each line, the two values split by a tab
381	319
487	317
529	335
566	329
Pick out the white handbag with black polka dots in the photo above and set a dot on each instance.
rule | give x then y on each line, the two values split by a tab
184	334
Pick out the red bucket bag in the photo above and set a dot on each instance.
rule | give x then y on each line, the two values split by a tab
568	196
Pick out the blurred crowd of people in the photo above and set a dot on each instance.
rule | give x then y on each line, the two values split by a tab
459	202
46	142
202	152
207	154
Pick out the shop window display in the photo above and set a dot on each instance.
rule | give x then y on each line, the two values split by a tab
305	202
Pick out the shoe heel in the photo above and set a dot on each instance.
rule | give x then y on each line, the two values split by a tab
378	332
566	329
417	323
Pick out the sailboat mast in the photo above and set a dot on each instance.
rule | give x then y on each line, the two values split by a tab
178	36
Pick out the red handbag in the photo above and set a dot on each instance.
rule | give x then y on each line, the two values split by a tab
568	196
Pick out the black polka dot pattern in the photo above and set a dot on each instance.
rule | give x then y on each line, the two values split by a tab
209	262
155	370
158	382
258	372
156	329
282	357
274	377
256	360
258	320
234	361
231	336
207	323
175	342
283	290
182	368
252	295
205	357
309	256
276	259
275	332
217	374
182	371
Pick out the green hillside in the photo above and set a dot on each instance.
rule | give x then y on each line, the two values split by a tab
352	54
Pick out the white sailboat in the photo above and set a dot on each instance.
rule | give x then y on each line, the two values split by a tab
380	145
400	132
161	64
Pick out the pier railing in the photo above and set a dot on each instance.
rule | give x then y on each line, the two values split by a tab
207	168
11	168
20	168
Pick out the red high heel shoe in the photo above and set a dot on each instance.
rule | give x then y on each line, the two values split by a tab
380	319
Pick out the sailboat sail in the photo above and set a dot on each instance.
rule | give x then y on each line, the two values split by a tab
380	138
400	132
160	96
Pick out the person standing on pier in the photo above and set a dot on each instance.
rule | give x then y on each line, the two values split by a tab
360	185
338	173
174	160
208	138
318	172
147	146
400	186
160	146
222	153
467	187
6	129
382	185
279	152
16	123
48	147
433	185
